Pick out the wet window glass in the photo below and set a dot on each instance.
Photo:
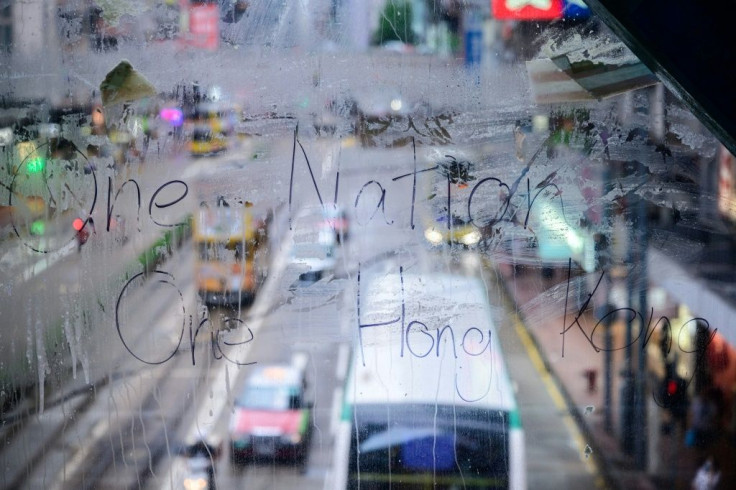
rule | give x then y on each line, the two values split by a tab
376	244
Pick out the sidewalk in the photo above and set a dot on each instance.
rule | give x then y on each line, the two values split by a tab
540	304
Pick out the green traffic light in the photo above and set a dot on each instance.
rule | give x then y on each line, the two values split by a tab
38	227
36	165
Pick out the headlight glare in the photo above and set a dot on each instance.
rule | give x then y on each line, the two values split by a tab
292	438
195	483
433	236
470	238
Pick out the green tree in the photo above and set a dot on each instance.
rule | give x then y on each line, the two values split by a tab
395	23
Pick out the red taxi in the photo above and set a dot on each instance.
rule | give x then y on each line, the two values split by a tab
271	417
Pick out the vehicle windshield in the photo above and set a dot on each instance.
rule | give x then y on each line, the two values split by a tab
202	134
388	442
273	398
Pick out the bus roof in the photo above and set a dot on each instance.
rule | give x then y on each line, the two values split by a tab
448	353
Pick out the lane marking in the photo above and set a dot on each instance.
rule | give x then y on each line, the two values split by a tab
48	260
82	455
558	400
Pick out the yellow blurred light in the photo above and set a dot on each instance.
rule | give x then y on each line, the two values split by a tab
433	236
470	238
540	123
98	118
195	483
26	150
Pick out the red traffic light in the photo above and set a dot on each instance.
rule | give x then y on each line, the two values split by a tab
671	387
78	224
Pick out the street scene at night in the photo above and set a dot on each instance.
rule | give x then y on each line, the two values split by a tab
363	244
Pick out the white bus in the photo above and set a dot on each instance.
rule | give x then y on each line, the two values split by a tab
428	402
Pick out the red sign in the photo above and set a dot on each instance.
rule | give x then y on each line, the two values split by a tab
204	30
527	9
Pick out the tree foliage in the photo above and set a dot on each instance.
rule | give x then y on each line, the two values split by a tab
395	23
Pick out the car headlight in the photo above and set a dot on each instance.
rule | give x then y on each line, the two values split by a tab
195	483
291	438
433	236
470	238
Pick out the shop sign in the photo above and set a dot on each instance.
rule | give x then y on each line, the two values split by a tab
527	9
576	9
204	29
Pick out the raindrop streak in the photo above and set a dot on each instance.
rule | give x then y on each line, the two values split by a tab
588	451
589	409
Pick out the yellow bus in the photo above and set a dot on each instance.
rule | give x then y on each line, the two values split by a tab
227	240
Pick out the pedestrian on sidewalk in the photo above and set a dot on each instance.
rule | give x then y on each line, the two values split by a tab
731	419
705	419
707	477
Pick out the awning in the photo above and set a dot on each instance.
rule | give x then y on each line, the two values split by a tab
694	292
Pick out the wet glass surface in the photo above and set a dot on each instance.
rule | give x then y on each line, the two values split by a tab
499	252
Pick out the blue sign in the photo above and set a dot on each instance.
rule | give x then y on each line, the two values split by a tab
575	9
473	46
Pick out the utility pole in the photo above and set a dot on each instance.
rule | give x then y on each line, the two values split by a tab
606	260
608	367
627	372
641	445
641	429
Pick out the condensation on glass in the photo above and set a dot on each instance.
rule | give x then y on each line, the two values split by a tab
356	244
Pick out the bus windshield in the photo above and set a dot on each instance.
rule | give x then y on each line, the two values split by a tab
415	445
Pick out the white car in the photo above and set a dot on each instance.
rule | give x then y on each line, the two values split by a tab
314	241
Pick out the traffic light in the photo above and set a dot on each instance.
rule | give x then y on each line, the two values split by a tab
674	395
35	165
38	227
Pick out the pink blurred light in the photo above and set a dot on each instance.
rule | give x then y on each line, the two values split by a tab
172	115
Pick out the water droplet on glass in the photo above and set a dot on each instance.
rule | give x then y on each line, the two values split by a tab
588	451
589	409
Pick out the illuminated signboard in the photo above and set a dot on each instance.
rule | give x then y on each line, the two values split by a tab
527	9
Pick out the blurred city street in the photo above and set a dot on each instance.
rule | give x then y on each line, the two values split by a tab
344	244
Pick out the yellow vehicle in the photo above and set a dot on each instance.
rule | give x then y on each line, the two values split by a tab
228	240
446	222
210	128
459	232
206	141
